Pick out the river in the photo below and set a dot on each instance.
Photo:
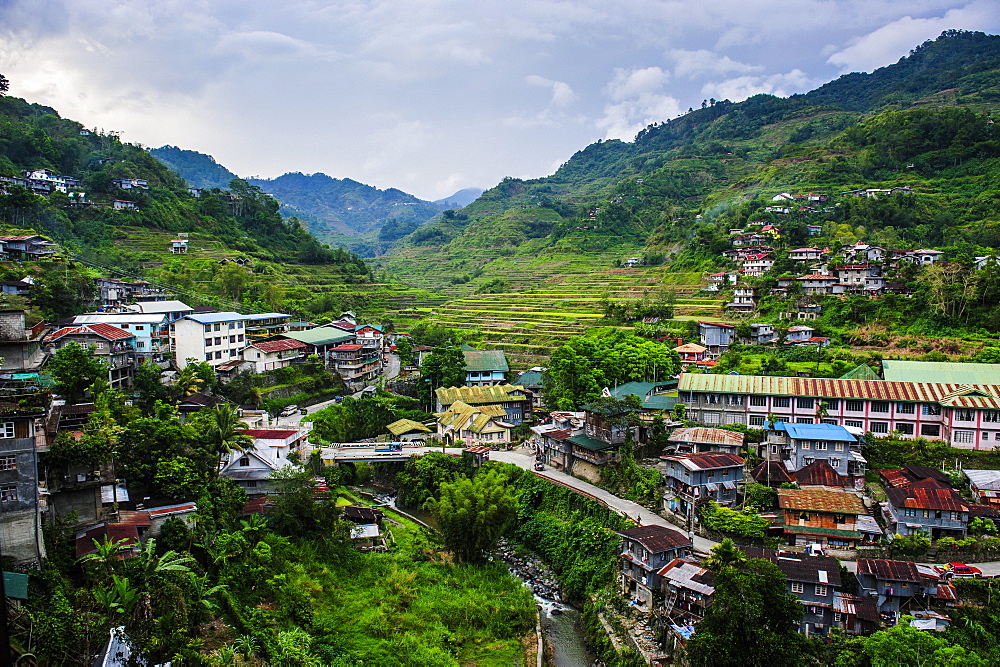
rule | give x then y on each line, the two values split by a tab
561	622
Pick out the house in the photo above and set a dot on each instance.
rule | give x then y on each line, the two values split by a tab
691	353
356	364
268	355
699	439
688	589
147	328
22	418
263	325
816	283
798	445
20	348
700	476
551	440
275	444
761	334
366	529
215	338
170	309
179	246
897	585
464	424
814	230
632	262
117	294
369	335
757	264
829	518
532	383
252	471
805	254
716	336
484	367
511	398
321	340
813	580
645	551
114	346
29	248
925	507
743	300
926	256
964	416
985	486
124	205
650	394
407	430
855	614
799	334
130	183
17	288
772	474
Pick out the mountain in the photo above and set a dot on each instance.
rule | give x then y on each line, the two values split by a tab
335	210
918	121
460	199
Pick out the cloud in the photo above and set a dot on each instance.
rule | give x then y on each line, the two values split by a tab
261	44
742	87
894	40
638	100
562	93
692	64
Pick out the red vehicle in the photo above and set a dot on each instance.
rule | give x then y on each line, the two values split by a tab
958	570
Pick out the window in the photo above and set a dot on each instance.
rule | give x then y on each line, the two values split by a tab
805	444
8	493
932	430
208	356
879	406
218	327
734	400
218	354
838	447
208	342
251	484
756	420
927	514
930	409
758	401
8	430
956	516
245	461
832	403
964	437
100	345
714	399
232	339
880	427
782	402
804	403
854	424
140	344
839	518
240	338
139	327
208	328
991	416
803	420
803	516
218	341
796	586
232	353
232	325
835	462
964	415
239	325
855	406
8	462
821	446
906	408
904	428
909	511
836	617
710	417
820	590
986	436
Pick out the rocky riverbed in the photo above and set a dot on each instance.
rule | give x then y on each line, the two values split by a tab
530	569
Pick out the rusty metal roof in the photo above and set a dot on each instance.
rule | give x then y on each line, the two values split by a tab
973	396
889	570
923	498
707	436
820	501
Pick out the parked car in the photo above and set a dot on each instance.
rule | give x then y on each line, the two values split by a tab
958	570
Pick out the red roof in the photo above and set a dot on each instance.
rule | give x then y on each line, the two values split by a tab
889	570
819	473
816	276
168	510
707	460
346	348
927	499
717	324
270	434
278	345
106	331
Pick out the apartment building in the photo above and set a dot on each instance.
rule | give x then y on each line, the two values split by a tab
216	338
964	416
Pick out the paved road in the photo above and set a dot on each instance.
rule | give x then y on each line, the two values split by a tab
524	459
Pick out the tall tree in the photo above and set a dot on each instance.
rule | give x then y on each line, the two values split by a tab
74	369
751	621
222	430
443	367
472	514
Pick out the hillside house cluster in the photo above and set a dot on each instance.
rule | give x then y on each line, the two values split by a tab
716	337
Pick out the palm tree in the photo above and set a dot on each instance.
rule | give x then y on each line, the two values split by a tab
224	431
725	554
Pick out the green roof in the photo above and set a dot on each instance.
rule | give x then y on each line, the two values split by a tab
320	336
861	372
644	390
592	444
950	372
485	360
529	379
498	393
402	426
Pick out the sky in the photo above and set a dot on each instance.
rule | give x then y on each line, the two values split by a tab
431	96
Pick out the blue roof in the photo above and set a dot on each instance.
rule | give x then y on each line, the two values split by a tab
212	318
815	431
266	316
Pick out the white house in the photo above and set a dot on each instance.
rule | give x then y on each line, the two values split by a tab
216	338
271	354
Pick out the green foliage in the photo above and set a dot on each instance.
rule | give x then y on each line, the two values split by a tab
353	419
422	476
761	496
443	367
733	522
74	368
472	514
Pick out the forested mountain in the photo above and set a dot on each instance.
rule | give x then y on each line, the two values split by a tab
923	121
198	169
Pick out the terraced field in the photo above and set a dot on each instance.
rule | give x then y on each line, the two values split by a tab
541	302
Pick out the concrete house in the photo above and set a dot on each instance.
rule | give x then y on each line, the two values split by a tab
146	328
268	355
484	367
511	398
699	439
216	338
805	254
114	346
645	551
700	476
925	507
817	283
812	580
22	432
20	348
798	445
716	336
691	353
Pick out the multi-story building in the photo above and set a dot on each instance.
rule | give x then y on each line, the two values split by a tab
645	551
215	338
267	324
698	439
716	336
484	367
22	435
268	355
812	580
27	248
20	348
964	416
508	396
483	425
700	476
146	329
798	445
355	363
829	518
895	585
925	507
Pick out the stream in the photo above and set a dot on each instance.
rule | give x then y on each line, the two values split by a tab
561	622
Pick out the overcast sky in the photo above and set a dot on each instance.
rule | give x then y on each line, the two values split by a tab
431	96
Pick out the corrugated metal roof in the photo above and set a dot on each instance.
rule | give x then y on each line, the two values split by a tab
500	393
320	336
831	432
889	570
485	360
402	426
706	460
212	318
656	538
923	392
820	501
707	436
